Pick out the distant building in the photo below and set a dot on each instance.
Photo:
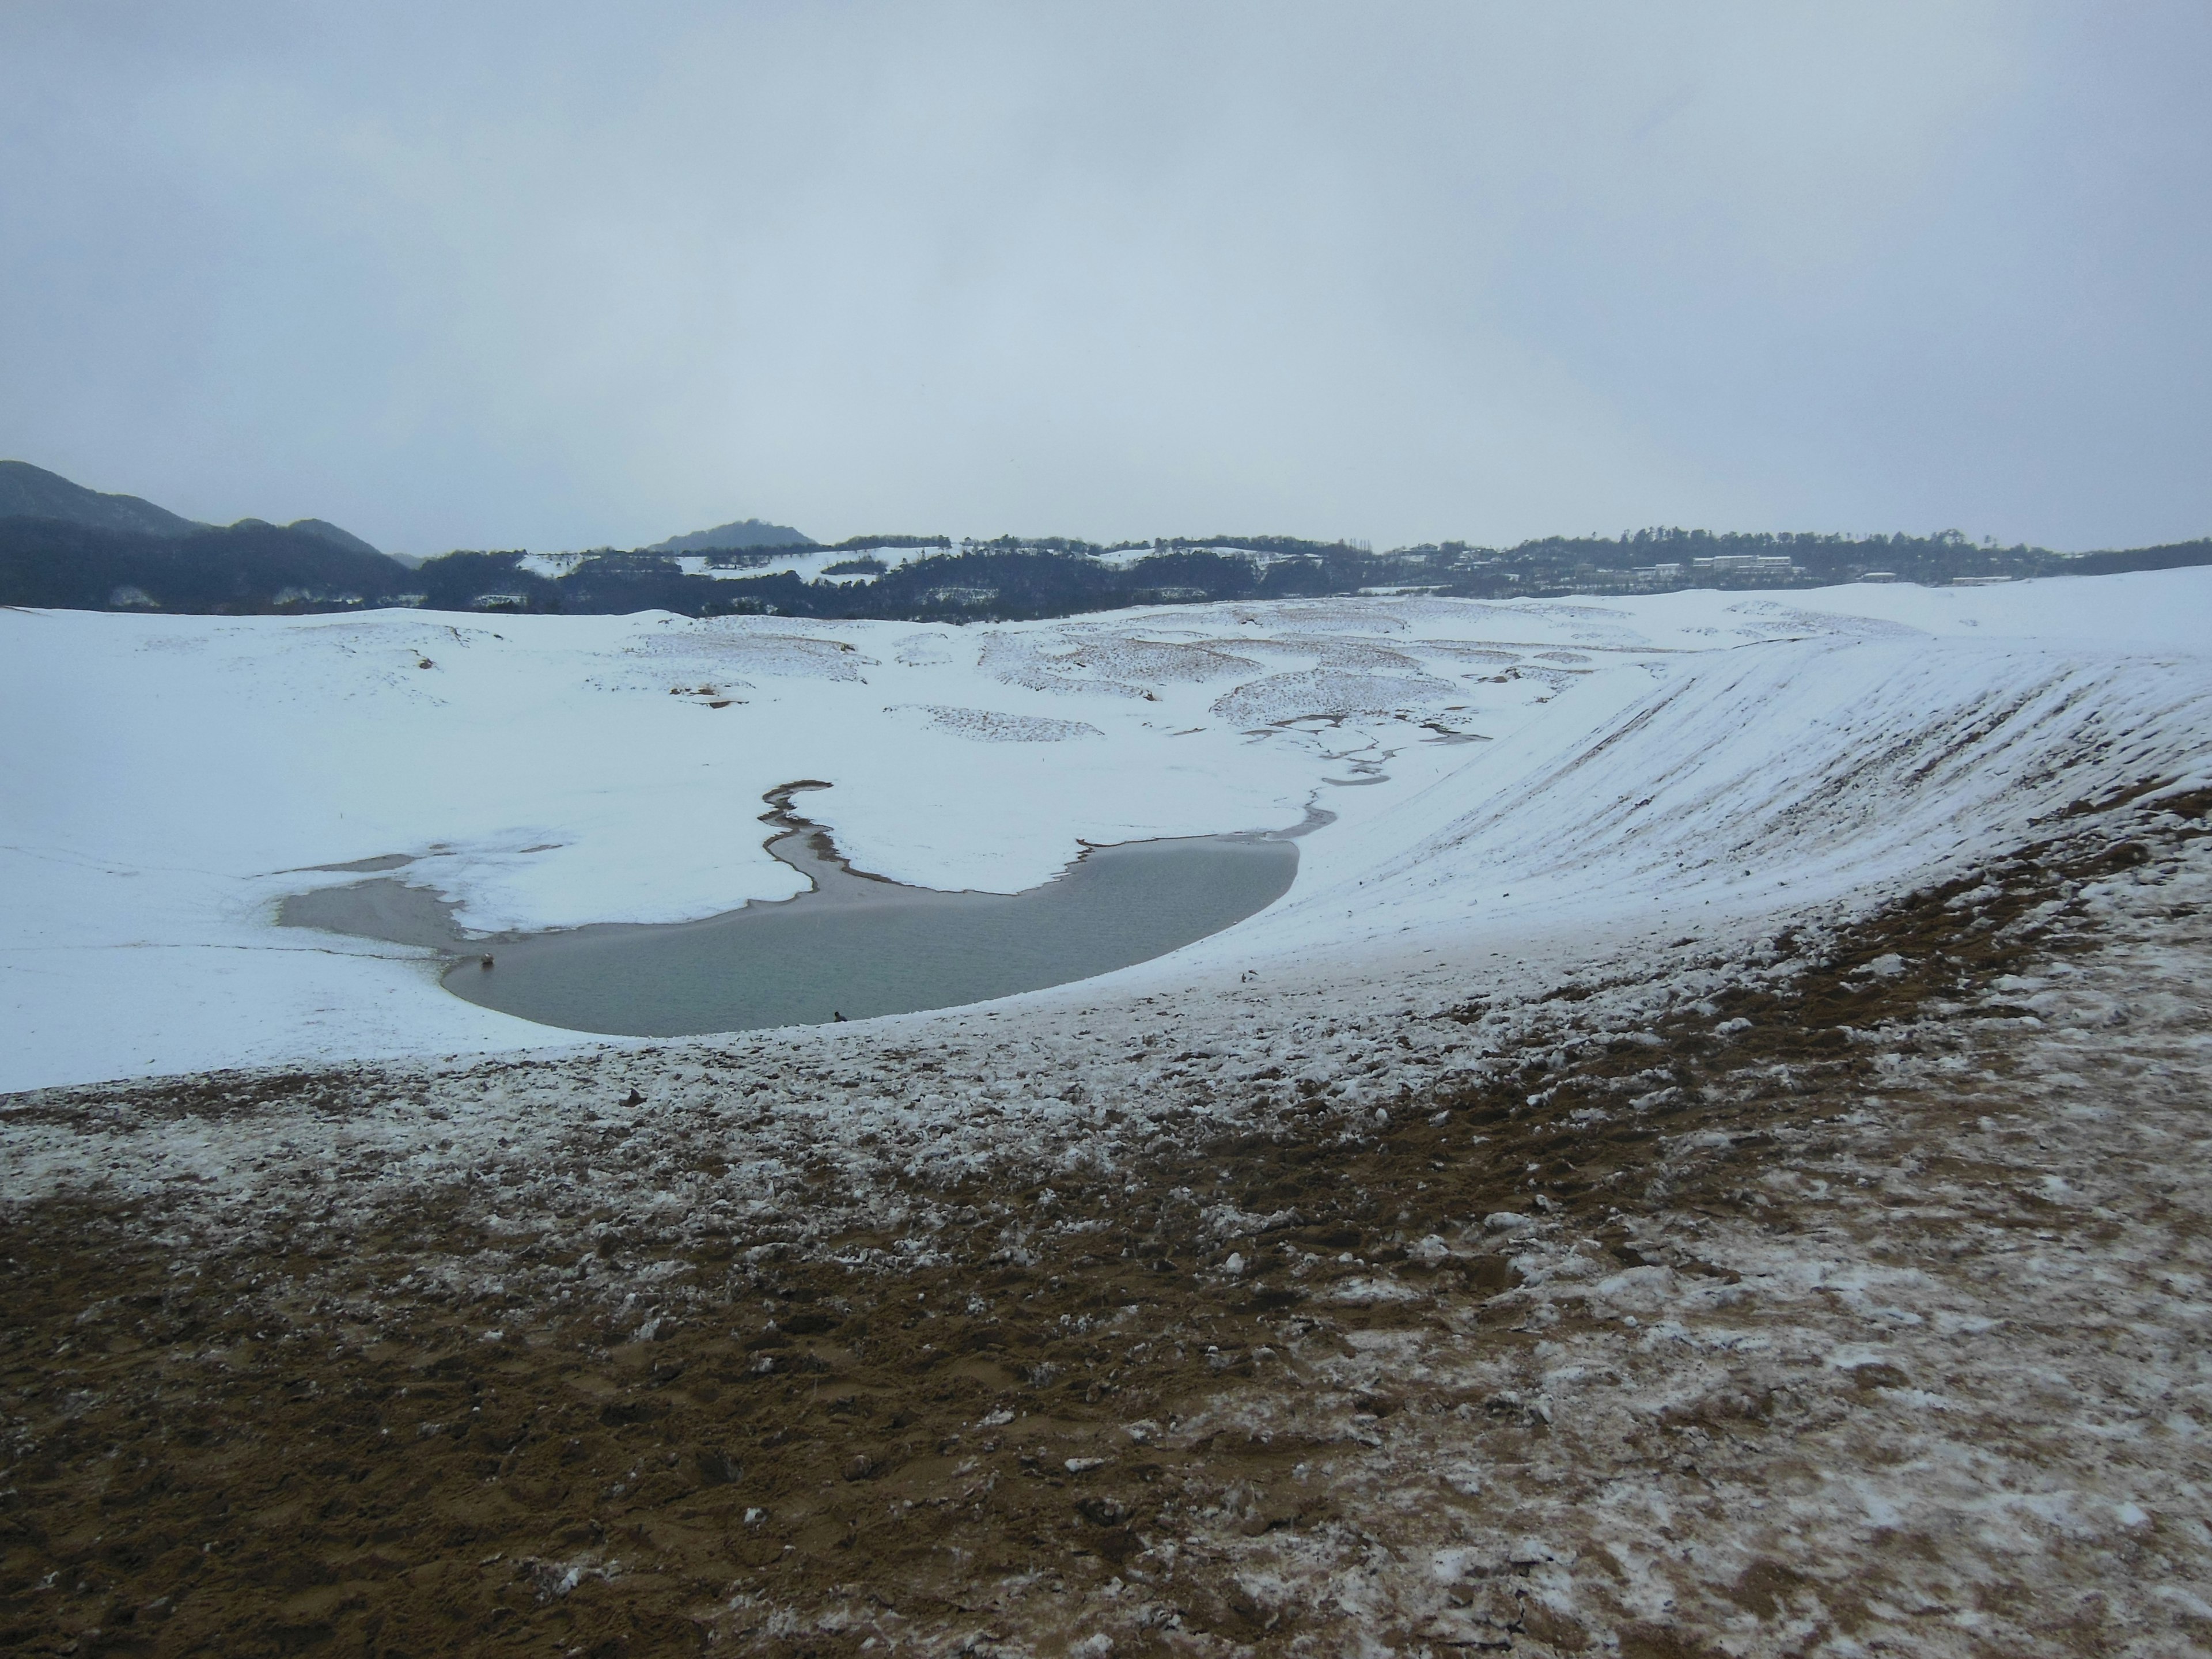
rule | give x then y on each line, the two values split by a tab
1777	564
499	601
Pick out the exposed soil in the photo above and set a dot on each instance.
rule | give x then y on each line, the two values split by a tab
1850	1301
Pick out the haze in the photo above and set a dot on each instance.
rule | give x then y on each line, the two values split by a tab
559	275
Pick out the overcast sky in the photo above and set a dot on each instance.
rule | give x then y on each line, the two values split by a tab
557	275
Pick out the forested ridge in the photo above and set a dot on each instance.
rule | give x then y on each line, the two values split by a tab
252	567
240	568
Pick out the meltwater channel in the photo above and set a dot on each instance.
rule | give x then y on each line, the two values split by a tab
854	945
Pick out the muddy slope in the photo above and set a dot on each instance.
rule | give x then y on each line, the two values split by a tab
1837	1294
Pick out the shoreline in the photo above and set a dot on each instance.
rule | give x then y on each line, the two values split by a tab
875	945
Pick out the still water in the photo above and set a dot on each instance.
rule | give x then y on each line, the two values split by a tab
855	945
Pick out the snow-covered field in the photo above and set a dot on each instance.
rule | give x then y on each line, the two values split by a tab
1710	1156
1506	778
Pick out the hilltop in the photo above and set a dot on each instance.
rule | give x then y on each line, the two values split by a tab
67	547
743	532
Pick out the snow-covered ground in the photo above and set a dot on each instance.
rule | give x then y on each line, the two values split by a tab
809	564
1503	777
812	564
1710	1156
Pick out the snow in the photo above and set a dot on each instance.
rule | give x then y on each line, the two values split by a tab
1505	778
551	566
1897	1349
1924	1347
808	564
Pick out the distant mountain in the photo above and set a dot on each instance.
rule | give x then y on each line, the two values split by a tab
746	533
31	492
323	530
241	569
1056	576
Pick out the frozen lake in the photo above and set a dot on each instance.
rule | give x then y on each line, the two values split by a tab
855	946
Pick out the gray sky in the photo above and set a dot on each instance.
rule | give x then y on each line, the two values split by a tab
557	275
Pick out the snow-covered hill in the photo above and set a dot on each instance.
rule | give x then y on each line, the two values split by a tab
1504	778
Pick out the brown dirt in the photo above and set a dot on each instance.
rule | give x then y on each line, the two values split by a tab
282	1441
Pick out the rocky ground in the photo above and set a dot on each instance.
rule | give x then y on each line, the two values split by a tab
1842	1291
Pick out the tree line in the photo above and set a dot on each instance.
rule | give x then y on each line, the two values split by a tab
248	567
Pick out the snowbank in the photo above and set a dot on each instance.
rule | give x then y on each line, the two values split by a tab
1503	777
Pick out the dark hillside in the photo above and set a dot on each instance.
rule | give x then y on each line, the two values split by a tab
31	492
481	582
331	533
2171	556
1012	579
242	569
251	566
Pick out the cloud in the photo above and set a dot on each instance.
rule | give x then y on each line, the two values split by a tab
558	275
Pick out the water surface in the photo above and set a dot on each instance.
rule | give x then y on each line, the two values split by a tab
856	944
